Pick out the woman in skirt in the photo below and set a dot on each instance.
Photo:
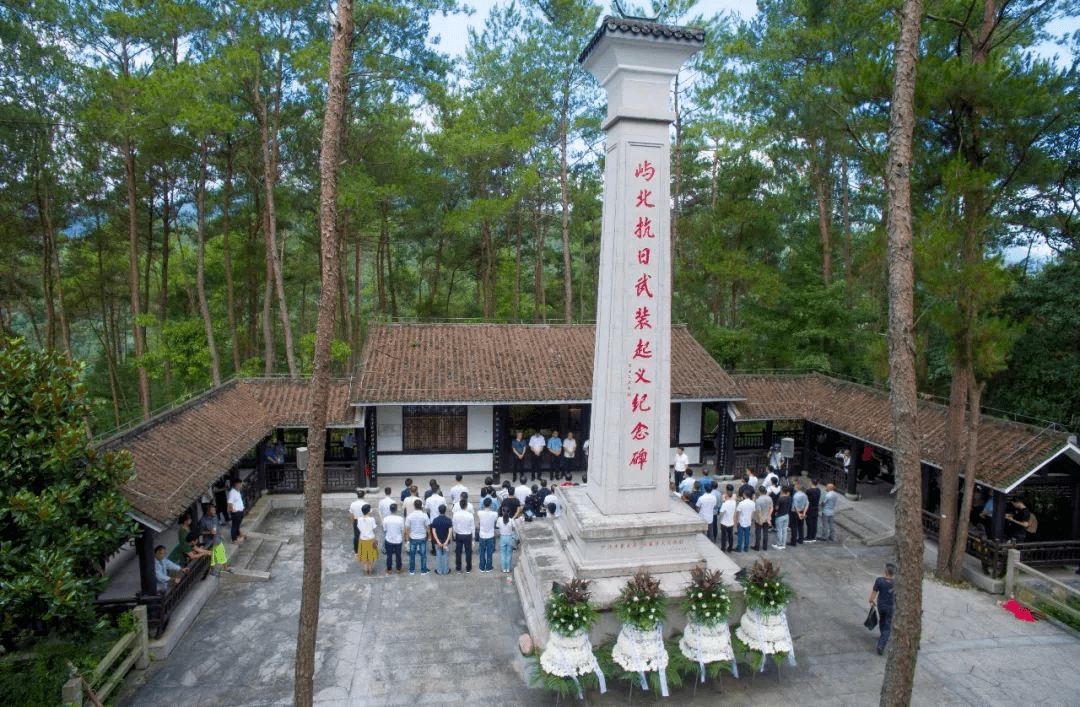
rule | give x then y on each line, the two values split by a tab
366	552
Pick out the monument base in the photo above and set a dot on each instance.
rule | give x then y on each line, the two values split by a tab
608	550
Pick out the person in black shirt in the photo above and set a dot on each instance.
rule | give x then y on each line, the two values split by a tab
882	596
813	495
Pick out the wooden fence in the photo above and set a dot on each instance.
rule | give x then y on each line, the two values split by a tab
132	650
1041	593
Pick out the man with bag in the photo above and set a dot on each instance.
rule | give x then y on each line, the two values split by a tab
881	597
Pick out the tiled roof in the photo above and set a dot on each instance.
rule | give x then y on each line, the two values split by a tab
477	363
1008	450
643	28
178	454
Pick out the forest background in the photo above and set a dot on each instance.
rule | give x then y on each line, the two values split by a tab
159	188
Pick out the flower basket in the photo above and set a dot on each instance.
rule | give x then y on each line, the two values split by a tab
763	630
707	637
640	646
569	654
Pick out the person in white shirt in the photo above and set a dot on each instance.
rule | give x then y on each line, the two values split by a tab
554	507
384	503
418	522
433	502
569	450
236	510
368	553
456	490
682	462
464	527
393	535
745	511
521	493
727	520
354	514
485	519
537	445
753	480
686	486
706	506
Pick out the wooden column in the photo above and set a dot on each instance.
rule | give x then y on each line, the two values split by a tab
144	549
997	525
725	442
856	447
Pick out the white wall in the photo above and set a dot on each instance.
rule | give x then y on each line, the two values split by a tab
689	432
450	462
390	437
479	435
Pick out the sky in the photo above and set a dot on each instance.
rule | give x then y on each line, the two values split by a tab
454	29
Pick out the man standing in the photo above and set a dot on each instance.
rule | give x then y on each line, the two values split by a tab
348	445
782	517
813	499
706	508
537	445
464	527
518	447
418	522
686	485
747	488
569	450
763	509
384	503
882	596
521	493
745	512
393	535
485	520
799	506
828	508
440	538
236	510
457	489
554	448
682	462
727	520
354	514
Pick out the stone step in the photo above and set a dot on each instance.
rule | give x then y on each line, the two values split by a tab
863	527
252	559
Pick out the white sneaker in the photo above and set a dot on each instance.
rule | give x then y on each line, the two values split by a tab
778	547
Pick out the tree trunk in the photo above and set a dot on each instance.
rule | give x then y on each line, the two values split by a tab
487	270
226	208
517	265
329	158
163	300
974	418
539	306
133	262
268	144
952	460
846	225
896	686
268	294
821	192
200	280
564	198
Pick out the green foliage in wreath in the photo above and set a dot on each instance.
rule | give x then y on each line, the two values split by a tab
568	610
565	687
641	604
765	590
754	658
706	601
678	668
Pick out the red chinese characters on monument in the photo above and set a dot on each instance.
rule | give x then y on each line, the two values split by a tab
641	411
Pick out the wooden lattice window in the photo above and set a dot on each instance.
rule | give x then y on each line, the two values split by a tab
434	427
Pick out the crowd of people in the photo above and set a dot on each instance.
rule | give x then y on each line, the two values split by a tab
222	508
753	508
439	524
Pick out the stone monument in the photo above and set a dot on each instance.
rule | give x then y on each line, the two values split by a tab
626	518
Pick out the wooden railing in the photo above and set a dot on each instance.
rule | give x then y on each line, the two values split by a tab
993	554
132	650
160	607
1041	593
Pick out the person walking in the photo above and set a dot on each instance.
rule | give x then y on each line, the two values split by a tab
368	553
464	527
393	536
441	526
485	521
882	597
418	523
505	527
745	512
828	509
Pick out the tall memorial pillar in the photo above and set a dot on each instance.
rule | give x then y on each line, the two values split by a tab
626	518
635	62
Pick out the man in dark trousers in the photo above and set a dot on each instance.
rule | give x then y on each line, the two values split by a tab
882	596
813	498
